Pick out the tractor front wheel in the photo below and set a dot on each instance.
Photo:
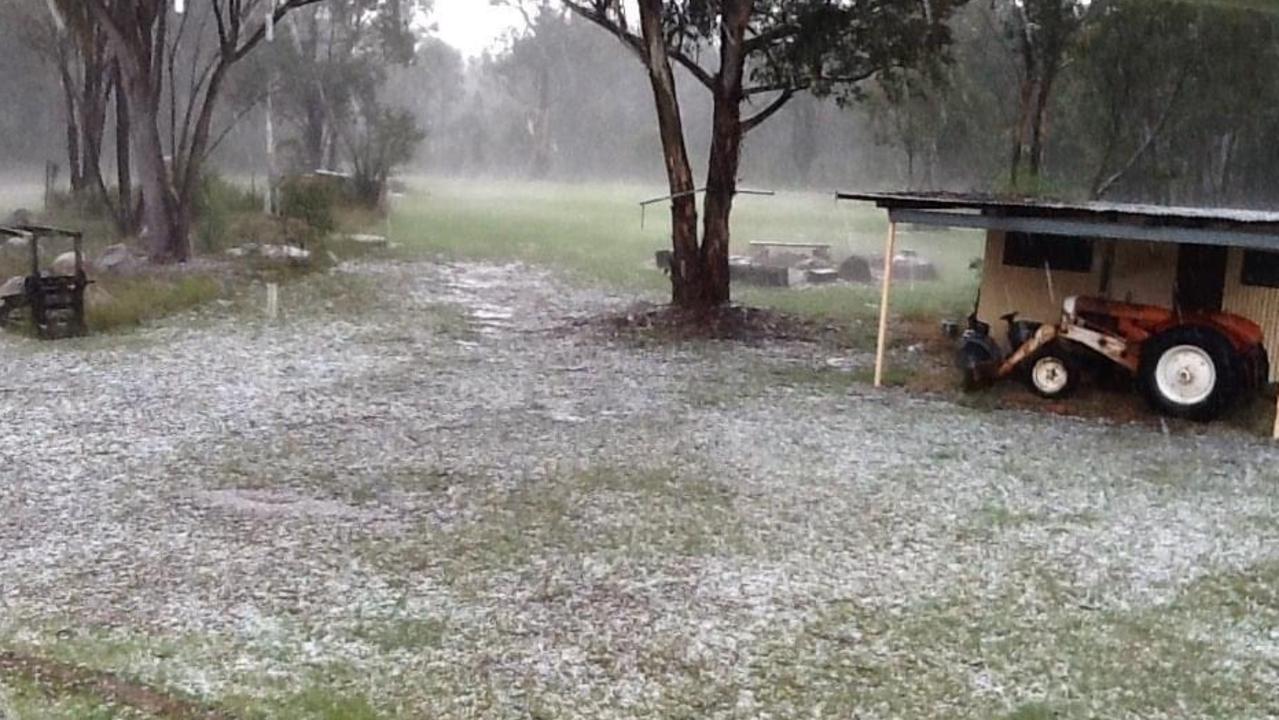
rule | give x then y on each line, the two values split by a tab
1052	374
1189	372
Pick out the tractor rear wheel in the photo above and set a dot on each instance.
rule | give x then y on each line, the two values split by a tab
1189	372
1051	373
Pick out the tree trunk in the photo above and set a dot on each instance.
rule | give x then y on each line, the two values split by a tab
127	213
73	133
726	152
686	265
162	229
1038	118
1021	132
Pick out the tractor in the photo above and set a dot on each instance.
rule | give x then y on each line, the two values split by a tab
1192	365
54	301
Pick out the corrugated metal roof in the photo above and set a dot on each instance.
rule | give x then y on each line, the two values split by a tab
1038	207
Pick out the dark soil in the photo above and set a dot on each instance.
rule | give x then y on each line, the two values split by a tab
61	678
732	322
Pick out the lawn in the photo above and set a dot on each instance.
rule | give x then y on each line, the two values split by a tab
416	495
597	234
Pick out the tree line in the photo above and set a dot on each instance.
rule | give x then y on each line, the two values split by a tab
1137	100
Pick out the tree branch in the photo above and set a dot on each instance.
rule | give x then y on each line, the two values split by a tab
770	110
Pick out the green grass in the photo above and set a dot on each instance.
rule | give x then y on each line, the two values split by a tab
130	302
593	233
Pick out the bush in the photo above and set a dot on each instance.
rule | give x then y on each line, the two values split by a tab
216	205
311	200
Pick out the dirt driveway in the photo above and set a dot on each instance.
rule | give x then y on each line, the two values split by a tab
460	508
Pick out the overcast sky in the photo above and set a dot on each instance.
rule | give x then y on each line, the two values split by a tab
472	25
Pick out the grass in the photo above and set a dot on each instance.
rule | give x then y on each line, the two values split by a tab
131	302
593	233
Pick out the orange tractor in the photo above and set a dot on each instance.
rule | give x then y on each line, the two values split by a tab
1190	365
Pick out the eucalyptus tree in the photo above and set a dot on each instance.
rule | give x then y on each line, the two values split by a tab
768	52
337	58
173	69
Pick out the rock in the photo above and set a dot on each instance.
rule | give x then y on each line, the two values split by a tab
274	253
664	259
781	259
368	240
855	269
116	259
287	253
96	296
21	216
908	265
64	264
12	287
746	271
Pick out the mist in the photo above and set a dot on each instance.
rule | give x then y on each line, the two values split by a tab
1183	120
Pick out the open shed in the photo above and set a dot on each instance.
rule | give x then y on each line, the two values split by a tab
1040	252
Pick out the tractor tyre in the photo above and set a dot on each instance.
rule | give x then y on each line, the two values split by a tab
1051	373
1189	372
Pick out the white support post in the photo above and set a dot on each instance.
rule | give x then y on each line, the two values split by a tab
1276	433
890	250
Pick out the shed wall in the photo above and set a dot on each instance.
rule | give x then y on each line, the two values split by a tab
1006	289
1259	304
1142	272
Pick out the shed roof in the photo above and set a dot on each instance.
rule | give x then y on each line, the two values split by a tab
1208	226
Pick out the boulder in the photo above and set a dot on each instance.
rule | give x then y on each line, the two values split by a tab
284	253
909	265
855	269
21	216
376	241
95	296
748	272
12	287
116	259
64	264
17	242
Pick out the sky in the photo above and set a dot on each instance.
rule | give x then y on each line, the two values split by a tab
472	25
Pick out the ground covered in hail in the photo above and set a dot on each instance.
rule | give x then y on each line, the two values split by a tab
439	490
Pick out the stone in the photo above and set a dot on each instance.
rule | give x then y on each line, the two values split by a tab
910	266
287	253
745	271
96	296
64	264
368	240
116	258
21	216
855	269
12	287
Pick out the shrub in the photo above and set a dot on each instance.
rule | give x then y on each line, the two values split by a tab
217	203
311	200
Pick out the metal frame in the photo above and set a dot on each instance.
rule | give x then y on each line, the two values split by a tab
39	288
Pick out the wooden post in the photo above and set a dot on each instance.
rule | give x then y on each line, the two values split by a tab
890	249
1276	433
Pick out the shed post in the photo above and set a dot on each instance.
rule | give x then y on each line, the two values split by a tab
890	250
1276	432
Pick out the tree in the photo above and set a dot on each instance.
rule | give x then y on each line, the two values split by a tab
1042	33
768	51
162	56
336	53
